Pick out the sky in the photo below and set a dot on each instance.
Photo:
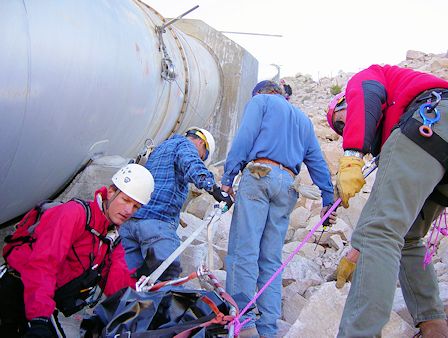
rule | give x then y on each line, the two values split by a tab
323	37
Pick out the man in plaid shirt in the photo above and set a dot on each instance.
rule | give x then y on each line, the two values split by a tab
150	236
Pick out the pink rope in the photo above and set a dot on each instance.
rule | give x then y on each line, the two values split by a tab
431	244
236	321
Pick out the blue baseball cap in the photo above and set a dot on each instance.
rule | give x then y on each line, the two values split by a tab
265	84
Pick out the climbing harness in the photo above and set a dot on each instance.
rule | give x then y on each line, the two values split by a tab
412	128
368	168
433	240
426	109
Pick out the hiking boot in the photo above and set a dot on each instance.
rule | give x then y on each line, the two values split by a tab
435	328
249	333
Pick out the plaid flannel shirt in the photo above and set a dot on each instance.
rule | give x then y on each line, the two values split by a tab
174	164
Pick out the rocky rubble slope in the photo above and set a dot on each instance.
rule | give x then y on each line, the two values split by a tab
308	286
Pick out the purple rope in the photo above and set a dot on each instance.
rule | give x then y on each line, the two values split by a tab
236	322
431	244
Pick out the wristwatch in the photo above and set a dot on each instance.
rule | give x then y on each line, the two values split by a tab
353	153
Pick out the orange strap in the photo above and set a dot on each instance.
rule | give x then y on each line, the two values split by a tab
219	319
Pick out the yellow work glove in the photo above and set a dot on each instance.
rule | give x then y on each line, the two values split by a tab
344	272
349	180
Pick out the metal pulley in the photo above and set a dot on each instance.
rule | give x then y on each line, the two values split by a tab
168	71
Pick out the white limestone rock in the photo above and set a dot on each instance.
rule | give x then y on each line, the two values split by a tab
292	302
196	255
198	206
303	272
191	224
414	55
336	242
298	218
329	302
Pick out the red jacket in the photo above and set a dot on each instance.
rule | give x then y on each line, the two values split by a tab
51	262
376	99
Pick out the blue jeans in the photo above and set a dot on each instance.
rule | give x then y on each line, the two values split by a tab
257	232
139	235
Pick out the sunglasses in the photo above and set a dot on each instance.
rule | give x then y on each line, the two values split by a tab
199	134
338	127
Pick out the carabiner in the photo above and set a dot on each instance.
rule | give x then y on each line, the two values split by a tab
425	129
435	104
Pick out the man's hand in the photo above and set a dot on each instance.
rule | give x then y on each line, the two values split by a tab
228	190
221	196
331	218
346	267
350	179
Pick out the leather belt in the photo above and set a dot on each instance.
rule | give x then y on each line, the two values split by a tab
268	161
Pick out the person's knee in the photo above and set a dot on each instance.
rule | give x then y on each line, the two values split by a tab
153	259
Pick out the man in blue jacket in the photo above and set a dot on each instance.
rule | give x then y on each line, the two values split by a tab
150	236
276	138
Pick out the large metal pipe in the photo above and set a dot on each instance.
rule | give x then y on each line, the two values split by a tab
81	78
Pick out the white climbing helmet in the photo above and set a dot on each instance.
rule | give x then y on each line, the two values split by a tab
135	181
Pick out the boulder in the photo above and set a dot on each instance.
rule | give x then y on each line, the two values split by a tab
198	206
321	315
414	55
292	303
298	218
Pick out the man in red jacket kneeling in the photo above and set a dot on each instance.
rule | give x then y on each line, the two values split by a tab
73	249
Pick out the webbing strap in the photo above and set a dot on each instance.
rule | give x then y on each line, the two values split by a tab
439	198
87	210
219	318
436	146
88	218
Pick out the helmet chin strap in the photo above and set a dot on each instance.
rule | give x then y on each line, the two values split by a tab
104	205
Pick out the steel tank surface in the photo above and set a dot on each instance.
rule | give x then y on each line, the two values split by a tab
83	78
